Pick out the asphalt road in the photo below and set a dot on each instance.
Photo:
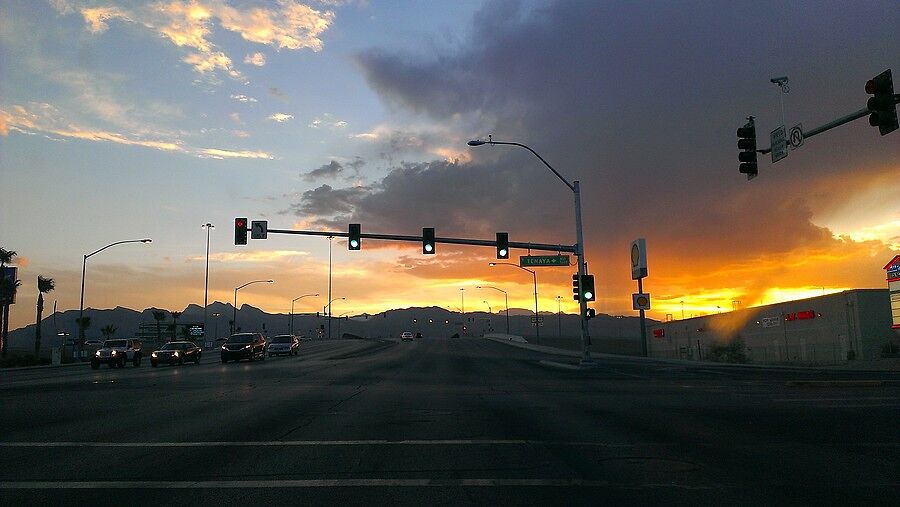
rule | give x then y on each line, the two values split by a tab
447	421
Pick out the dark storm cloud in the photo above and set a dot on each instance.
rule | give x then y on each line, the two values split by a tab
640	101
328	201
332	169
417	195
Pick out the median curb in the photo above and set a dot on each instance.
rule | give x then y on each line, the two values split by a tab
572	353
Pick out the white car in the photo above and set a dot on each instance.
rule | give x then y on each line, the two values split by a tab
406	336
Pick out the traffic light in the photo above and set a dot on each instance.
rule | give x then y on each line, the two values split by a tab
584	288
503	245
589	314
240	231
428	240
881	104
747	145
587	288
354	242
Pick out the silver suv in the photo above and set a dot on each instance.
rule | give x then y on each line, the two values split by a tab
116	353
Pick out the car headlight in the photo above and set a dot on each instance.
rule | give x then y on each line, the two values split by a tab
175	354
113	353
97	353
153	354
223	347
248	346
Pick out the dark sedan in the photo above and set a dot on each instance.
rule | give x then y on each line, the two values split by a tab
176	353
239	346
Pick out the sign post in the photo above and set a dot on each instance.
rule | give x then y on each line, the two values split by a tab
893	280
640	301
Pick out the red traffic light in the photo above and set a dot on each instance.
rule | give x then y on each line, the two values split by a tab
240	223
870	86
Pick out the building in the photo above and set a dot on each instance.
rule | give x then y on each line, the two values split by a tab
833	328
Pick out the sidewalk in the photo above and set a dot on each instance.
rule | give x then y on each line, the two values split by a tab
884	365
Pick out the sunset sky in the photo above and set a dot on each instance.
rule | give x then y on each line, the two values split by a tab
131	119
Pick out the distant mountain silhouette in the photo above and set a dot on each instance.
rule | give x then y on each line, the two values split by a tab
430	321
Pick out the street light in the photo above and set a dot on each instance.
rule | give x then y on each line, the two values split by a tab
506	296
292	309
575	187
559	315
206	226
537	326
329	313
83	269
234	309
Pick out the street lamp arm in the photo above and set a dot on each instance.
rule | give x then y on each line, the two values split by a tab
536	154
254	281
303	296
146	240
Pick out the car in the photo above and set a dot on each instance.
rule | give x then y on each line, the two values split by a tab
239	346
406	336
176	353
284	344
418	336
116	353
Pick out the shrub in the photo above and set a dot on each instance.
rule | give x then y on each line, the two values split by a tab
734	352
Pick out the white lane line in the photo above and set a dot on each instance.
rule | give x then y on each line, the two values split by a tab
301	483
311	443
804	400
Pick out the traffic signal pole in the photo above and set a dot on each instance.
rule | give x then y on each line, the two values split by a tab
579	255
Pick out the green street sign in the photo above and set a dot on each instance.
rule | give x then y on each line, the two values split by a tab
543	260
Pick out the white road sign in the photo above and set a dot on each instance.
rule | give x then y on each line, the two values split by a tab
779	144
796	136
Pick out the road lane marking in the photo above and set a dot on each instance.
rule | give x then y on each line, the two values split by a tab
311	443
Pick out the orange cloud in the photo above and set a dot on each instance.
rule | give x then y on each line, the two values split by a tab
96	17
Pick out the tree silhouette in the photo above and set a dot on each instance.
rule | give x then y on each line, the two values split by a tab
108	331
7	293
175	316
158	316
83	324
44	286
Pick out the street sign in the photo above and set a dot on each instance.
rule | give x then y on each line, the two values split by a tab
770	321
796	136
195	330
543	260
638	258
259	229
640	301
10	275
539	320
778	139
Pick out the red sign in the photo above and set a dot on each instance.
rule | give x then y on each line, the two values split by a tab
659	333
806	315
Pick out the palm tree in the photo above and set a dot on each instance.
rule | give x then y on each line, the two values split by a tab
7	291
108	331
45	285
175	316
158	316
83	324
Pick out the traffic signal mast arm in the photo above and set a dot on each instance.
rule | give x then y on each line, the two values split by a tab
835	123
418	239
828	126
